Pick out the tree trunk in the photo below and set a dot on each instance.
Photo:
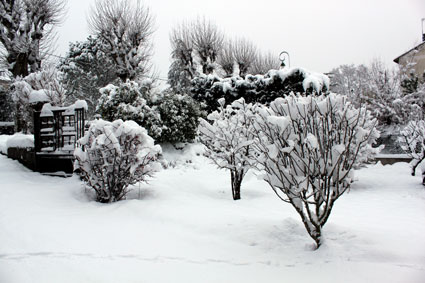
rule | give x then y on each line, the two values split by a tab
236	179
314	230
20	66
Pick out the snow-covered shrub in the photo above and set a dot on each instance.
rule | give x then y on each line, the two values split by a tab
207	89
42	86
129	101
229	139
179	118
114	155
412	141
166	116
307	146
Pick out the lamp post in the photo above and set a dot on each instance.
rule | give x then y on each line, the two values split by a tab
282	57
423	34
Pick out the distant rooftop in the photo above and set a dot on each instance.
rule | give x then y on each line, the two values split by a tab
396	60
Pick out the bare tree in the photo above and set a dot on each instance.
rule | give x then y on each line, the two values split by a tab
207	42
245	53
226	59
264	63
26	28
126	31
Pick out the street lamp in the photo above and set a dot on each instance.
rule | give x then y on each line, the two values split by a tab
282	57
423	34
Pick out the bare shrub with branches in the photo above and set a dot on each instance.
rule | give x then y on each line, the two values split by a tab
126	31
229	139
112	156
307	147
26	30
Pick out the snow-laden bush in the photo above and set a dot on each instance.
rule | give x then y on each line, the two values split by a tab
179	118
114	155
412	141
167	117
129	101
306	148
228	140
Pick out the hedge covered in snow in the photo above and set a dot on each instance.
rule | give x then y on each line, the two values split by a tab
207	89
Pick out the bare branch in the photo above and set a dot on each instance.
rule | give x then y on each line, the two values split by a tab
226	59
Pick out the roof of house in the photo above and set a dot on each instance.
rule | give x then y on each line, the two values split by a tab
414	48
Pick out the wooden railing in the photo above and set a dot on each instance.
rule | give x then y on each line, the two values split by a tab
57	130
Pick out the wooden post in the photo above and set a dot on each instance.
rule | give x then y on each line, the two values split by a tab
37	125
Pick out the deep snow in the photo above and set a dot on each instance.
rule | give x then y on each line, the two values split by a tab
184	227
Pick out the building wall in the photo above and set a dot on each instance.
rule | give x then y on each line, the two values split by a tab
417	56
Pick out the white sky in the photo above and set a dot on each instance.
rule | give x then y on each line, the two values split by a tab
318	35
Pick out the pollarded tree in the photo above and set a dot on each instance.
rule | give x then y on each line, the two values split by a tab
307	147
86	69
125	30
264	63
114	155
207	43
226	59
228	140
26	28
244	52
183	68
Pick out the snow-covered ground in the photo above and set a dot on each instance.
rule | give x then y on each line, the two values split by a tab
184	227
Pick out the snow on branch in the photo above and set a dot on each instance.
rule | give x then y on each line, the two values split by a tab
228	140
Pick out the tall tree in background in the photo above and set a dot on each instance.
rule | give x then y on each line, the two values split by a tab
86	69
26	28
264	63
207	43
245	53
125	30
226	59
183	68
352	81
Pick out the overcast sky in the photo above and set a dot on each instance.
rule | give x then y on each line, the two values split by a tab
318	34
